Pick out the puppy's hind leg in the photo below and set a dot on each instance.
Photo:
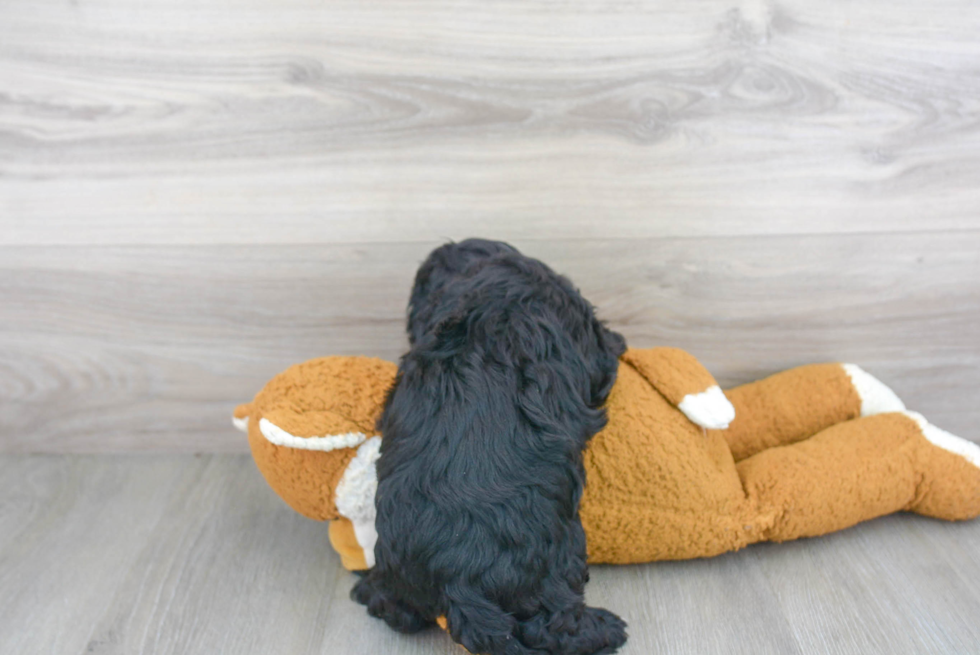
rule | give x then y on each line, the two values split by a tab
573	628
382	603
481	626
597	632
561	622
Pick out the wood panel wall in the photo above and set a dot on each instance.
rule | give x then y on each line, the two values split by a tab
195	195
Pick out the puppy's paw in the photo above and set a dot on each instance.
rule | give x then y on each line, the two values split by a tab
576	631
381	605
601	631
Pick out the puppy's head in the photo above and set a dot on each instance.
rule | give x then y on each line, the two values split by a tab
598	346
456	277
442	266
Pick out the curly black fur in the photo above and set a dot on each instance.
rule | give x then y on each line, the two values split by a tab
481	471
442	266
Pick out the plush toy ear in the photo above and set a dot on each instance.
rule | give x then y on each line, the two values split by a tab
239	417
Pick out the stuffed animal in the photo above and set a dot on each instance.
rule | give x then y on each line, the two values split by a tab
681	470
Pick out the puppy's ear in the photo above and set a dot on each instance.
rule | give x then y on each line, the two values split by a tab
421	304
442	267
445	264
603	360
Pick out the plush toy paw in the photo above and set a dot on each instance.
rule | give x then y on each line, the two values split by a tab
709	409
876	397
948	486
947	441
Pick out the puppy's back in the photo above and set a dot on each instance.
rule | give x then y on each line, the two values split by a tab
481	470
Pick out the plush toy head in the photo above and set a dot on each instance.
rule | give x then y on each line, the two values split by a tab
312	432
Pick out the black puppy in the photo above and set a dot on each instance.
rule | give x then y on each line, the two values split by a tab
480	472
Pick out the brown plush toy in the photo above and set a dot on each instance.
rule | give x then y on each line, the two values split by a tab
681	470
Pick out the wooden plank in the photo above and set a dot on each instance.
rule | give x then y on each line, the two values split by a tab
116	349
355	122
897	580
901	584
231	569
721	605
194	554
170	555
72	530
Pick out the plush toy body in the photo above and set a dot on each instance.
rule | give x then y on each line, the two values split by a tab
682	469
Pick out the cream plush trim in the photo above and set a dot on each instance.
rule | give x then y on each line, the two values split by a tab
876	397
280	437
355	495
939	437
240	423
709	409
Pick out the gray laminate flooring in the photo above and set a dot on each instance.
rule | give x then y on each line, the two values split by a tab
193	554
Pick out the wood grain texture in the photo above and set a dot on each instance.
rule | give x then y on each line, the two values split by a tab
181	554
149	348
304	122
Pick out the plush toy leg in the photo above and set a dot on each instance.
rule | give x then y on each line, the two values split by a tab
950	485
862	469
794	405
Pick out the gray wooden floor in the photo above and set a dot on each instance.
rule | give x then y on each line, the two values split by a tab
188	554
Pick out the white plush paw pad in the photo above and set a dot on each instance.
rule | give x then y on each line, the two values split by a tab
876	398
709	409
947	441
240	423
